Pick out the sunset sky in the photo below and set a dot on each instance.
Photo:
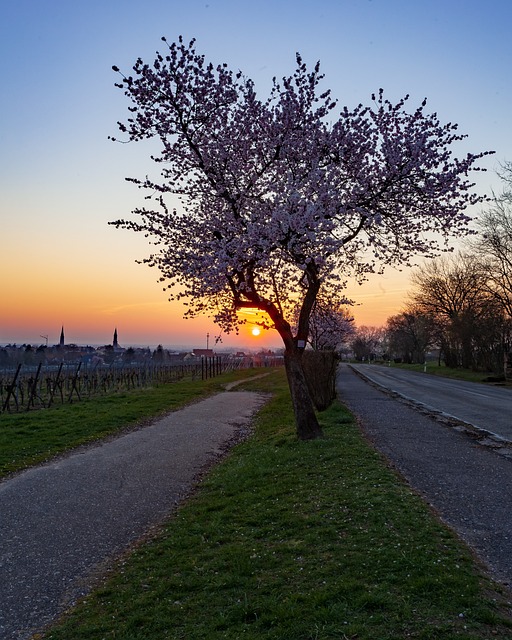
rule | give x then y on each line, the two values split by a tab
62	180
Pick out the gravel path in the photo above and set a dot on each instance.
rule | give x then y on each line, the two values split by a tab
468	484
62	523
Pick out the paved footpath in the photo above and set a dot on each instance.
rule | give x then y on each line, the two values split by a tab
468	484
61	523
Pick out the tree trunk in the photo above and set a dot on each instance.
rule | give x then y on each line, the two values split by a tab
305	417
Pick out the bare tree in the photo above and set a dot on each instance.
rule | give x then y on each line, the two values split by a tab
454	290
367	342
410	334
493	244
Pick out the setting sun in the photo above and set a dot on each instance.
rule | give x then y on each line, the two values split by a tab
255	331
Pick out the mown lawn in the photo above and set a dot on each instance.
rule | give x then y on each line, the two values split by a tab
287	540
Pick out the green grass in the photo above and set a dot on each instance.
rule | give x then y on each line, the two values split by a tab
33	437
290	540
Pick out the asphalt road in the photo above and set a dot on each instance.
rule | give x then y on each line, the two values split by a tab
63	522
468	484
485	407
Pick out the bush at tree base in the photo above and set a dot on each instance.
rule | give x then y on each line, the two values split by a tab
320	370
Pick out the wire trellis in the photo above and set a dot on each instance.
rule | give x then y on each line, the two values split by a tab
27	387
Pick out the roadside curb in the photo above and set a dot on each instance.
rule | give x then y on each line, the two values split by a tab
483	437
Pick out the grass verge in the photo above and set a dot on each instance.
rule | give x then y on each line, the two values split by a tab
33	437
287	540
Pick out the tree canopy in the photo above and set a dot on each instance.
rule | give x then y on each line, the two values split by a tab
284	196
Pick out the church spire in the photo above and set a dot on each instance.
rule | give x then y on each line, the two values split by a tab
61	341
115	343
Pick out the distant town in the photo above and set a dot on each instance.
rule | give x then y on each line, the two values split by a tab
28	354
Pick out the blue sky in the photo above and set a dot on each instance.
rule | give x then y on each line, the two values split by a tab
62	180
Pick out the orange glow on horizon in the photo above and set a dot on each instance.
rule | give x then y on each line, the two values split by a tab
92	297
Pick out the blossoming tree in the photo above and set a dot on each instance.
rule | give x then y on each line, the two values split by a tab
283	197
330	325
